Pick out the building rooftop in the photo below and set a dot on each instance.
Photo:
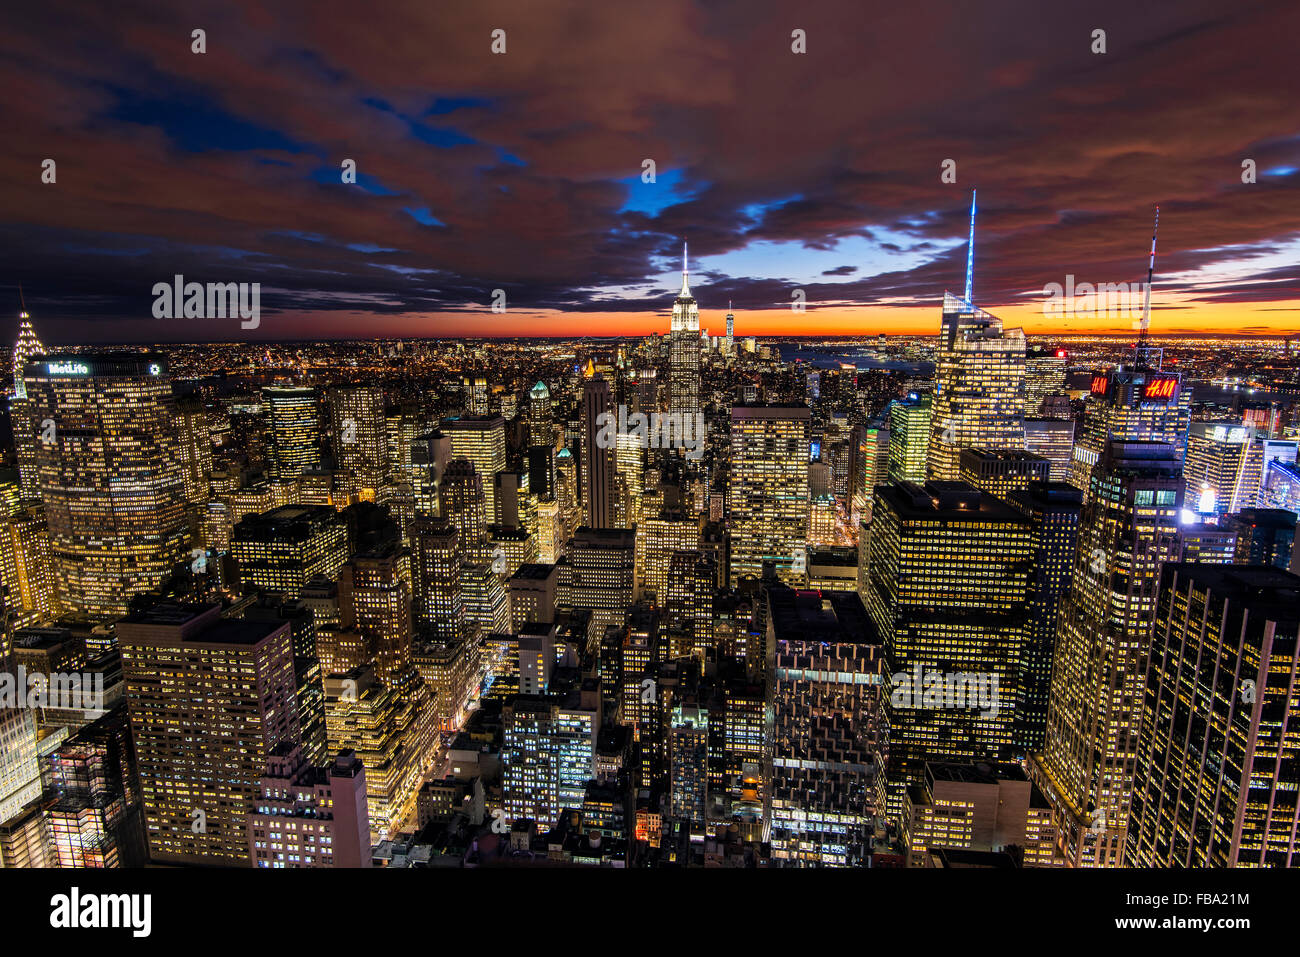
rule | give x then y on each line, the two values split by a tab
945	500
196	625
819	615
764	410
1268	590
1266	517
534	571
977	773
1000	455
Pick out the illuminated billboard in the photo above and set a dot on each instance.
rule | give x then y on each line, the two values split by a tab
1161	388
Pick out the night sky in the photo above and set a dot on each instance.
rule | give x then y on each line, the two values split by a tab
818	171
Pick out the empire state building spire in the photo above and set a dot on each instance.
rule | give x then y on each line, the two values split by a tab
686	312
684	348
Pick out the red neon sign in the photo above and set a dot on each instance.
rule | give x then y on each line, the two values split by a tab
1164	387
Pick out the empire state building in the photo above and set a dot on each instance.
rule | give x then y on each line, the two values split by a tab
684	350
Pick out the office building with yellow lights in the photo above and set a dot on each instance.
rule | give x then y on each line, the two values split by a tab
282	549
1127	529
947	585
1215	784
768	490
979	390
229	684
108	462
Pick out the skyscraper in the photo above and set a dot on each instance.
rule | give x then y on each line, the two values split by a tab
1141	404
999	472
979	392
463	502
26	432
27	347
283	549
601	574
392	736
629	479
435	570
541	430
1223	470
688	764
1128	527
360	433
533	591
687	602
1053	509
769	501
109	466
430	454
482	587
196	450
909	438
658	538
684	350
823	697
229	683
1044	376
27	568
1265	536
476	395
977	807
20	772
947	586
294	426
598	464
482	440
1053	439
97	820
375	599
1215	782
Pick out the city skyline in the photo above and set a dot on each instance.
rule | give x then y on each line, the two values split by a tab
589	439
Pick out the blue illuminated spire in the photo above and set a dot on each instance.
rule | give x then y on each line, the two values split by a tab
970	253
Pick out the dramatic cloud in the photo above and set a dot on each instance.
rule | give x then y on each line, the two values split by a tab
523	171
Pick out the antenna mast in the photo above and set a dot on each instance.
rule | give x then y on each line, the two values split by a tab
1142	350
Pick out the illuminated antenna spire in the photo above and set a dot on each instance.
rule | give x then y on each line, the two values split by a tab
1151	268
686	289
970	254
22	308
